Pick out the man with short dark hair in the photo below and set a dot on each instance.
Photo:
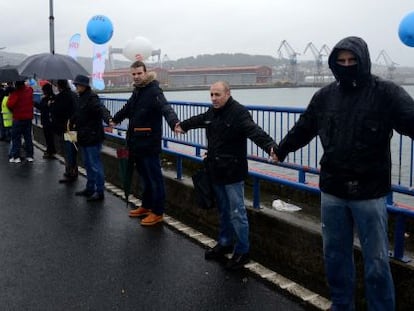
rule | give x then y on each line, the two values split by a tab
145	109
354	118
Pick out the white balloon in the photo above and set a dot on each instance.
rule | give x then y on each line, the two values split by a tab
139	48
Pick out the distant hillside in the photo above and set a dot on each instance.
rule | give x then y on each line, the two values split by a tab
279	66
222	60
206	60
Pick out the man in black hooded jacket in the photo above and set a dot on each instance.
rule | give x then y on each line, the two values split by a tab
354	118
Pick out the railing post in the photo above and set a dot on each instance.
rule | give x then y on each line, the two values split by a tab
301	176
390	199
256	192
198	151
399	237
179	167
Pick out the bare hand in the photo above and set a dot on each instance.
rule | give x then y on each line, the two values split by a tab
273	157
178	129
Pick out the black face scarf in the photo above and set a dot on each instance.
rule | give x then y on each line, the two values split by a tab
347	75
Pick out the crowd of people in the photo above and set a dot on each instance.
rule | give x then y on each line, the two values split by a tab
354	118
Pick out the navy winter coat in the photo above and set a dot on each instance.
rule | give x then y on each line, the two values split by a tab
145	109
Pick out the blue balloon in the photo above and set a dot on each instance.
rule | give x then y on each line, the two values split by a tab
99	29
406	30
32	82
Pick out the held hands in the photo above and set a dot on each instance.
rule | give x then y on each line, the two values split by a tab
178	129
272	156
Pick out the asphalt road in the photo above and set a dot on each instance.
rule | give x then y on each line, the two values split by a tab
59	252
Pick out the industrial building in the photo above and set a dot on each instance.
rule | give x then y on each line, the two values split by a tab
247	75
122	77
180	78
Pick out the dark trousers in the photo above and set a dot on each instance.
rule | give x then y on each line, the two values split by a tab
152	182
49	139
70	153
21	128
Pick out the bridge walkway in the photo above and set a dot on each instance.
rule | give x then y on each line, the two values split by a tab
59	252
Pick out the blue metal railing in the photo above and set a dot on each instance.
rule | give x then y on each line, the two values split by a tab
300	169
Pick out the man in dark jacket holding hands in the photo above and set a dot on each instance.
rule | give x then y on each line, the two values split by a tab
228	124
145	109
354	118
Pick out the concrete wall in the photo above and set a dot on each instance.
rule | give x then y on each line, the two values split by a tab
288	243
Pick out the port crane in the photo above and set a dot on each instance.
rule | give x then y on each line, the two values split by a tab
292	54
391	65
325	50
318	61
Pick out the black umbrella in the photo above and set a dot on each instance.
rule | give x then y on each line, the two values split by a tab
51	66
10	74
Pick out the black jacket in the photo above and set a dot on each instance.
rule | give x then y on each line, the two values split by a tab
145	109
227	131
44	108
62	109
355	125
87	120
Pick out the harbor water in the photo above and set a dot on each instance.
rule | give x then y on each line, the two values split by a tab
281	97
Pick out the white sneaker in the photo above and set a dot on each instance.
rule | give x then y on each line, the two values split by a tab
15	160
29	159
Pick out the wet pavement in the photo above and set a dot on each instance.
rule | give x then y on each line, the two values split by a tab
59	252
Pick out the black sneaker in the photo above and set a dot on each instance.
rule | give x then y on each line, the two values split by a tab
96	197
84	193
237	261
217	252
67	180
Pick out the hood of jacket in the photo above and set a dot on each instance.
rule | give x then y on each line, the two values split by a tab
360	49
151	76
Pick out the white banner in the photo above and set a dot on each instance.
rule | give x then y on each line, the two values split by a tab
100	51
74	46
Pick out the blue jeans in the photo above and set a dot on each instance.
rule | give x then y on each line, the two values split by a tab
21	128
234	224
152	183
95	178
370	219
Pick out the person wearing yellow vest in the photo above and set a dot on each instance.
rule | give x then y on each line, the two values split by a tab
7	116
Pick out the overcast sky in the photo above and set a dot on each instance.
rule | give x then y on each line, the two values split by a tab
182	28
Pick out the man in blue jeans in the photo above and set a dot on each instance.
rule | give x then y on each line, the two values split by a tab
228	125
354	118
87	121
